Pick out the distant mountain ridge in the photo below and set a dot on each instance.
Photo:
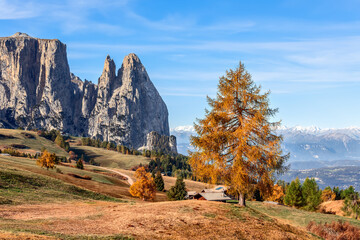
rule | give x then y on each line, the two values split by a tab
309	147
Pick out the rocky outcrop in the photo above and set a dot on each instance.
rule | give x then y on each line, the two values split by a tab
155	141
37	90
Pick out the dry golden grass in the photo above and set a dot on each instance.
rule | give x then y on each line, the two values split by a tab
333	207
164	220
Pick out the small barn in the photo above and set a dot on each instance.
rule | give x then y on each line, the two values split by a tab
190	195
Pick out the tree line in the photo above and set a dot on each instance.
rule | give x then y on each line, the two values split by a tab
308	196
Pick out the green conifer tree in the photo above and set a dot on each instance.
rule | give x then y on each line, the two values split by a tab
311	194
80	164
352	205
177	192
159	181
293	195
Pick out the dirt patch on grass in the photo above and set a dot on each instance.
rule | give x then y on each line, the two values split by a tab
164	220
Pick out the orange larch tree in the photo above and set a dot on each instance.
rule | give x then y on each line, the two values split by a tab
277	194
46	160
144	187
328	195
235	143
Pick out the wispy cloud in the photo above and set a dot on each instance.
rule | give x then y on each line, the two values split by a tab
17	10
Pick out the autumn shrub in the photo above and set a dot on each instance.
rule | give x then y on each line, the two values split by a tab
335	230
47	160
144	187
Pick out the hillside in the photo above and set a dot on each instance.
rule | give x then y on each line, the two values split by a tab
68	203
31	141
108	158
166	220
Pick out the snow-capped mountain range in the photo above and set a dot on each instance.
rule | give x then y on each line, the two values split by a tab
309	147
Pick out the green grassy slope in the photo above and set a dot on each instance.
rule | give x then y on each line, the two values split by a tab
35	144
30	164
107	158
18	186
298	217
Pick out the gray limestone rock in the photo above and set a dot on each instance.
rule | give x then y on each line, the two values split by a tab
37	90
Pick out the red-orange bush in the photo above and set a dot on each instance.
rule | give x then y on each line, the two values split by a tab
335	230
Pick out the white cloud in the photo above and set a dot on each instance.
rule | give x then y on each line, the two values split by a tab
17	10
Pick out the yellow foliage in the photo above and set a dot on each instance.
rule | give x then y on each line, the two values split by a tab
236	145
277	194
46	160
144	187
327	195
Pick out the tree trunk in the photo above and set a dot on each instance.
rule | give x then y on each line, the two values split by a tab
242	199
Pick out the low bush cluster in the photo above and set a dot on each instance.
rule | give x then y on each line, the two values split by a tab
15	153
335	230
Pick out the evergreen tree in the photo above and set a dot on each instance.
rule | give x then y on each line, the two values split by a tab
352	205
338	192
177	192
347	192
293	196
159	181
311	194
80	164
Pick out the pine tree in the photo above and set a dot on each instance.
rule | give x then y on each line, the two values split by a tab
293	196
80	163
236	144
177	192
311	194
352	205
59	140
159	181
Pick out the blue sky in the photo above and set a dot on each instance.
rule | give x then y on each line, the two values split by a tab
306	52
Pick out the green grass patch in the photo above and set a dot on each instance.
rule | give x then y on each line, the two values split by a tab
18	187
109	158
30	139
244	212
209	215
31	164
298	217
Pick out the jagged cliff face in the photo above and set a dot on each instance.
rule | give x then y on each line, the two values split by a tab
37	90
127	105
34	83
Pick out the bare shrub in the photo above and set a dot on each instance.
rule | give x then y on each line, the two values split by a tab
335	230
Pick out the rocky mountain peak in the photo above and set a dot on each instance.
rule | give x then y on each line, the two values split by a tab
37	90
20	34
131	61
108	75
